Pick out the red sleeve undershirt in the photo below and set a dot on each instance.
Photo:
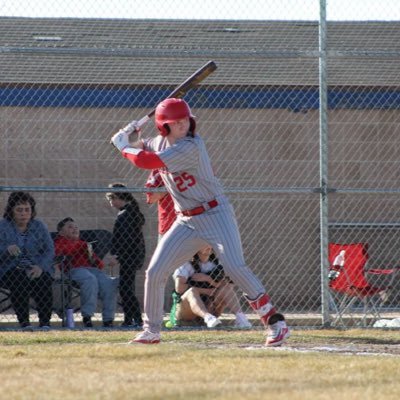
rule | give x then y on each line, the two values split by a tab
145	160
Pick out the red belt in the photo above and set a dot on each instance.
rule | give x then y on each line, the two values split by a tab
199	210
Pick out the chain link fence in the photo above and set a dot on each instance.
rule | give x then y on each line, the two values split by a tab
301	121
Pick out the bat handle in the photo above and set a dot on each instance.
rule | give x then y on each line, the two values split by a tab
142	121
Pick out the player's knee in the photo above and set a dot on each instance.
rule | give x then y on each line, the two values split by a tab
151	274
156	276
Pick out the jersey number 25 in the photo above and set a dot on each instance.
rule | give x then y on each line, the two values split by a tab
184	181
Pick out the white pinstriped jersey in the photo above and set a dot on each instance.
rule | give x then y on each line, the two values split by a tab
188	175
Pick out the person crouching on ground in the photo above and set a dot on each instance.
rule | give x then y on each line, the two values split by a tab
202	290
85	268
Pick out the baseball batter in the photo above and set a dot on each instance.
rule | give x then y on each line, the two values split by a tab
204	216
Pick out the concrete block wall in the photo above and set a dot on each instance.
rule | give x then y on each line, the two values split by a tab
69	147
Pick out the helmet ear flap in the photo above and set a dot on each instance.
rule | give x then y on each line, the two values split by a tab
166	130
192	125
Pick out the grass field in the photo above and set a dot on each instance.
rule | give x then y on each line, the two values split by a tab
317	364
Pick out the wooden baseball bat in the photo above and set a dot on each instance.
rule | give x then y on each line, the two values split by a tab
184	87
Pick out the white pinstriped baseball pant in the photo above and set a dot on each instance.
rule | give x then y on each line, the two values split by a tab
216	227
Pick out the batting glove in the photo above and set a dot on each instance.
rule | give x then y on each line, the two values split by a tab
120	140
132	127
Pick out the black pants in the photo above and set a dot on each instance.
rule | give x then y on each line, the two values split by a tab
130	303
22	288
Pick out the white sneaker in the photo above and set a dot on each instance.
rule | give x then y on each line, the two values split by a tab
146	337
277	333
242	323
211	321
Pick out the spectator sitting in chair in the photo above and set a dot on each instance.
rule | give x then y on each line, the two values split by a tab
26	259
85	268
202	290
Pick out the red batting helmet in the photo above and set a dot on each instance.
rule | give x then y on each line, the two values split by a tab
170	110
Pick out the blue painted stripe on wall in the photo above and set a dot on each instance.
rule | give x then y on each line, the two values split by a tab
293	99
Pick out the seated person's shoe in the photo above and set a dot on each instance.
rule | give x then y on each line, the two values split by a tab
211	321
108	324
131	324
128	323
44	325
87	322
26	326
138	324
277	331
146	337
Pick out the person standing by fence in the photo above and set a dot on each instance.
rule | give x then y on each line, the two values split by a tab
128	250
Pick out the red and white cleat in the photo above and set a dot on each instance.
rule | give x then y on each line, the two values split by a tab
277	332
146	337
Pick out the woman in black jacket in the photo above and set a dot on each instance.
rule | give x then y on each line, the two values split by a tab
128	247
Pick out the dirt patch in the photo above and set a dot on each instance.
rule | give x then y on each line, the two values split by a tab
353	348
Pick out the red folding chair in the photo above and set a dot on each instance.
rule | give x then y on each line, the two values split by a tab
356	293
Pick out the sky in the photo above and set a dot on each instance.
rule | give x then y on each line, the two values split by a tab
359	10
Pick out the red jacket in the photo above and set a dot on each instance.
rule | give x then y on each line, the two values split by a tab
78	252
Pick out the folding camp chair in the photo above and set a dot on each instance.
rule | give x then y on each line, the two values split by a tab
66	292
353	296
5	303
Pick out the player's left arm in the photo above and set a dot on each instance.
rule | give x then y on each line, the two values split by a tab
142	158
135	152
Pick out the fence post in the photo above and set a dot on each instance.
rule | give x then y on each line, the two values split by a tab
323	163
